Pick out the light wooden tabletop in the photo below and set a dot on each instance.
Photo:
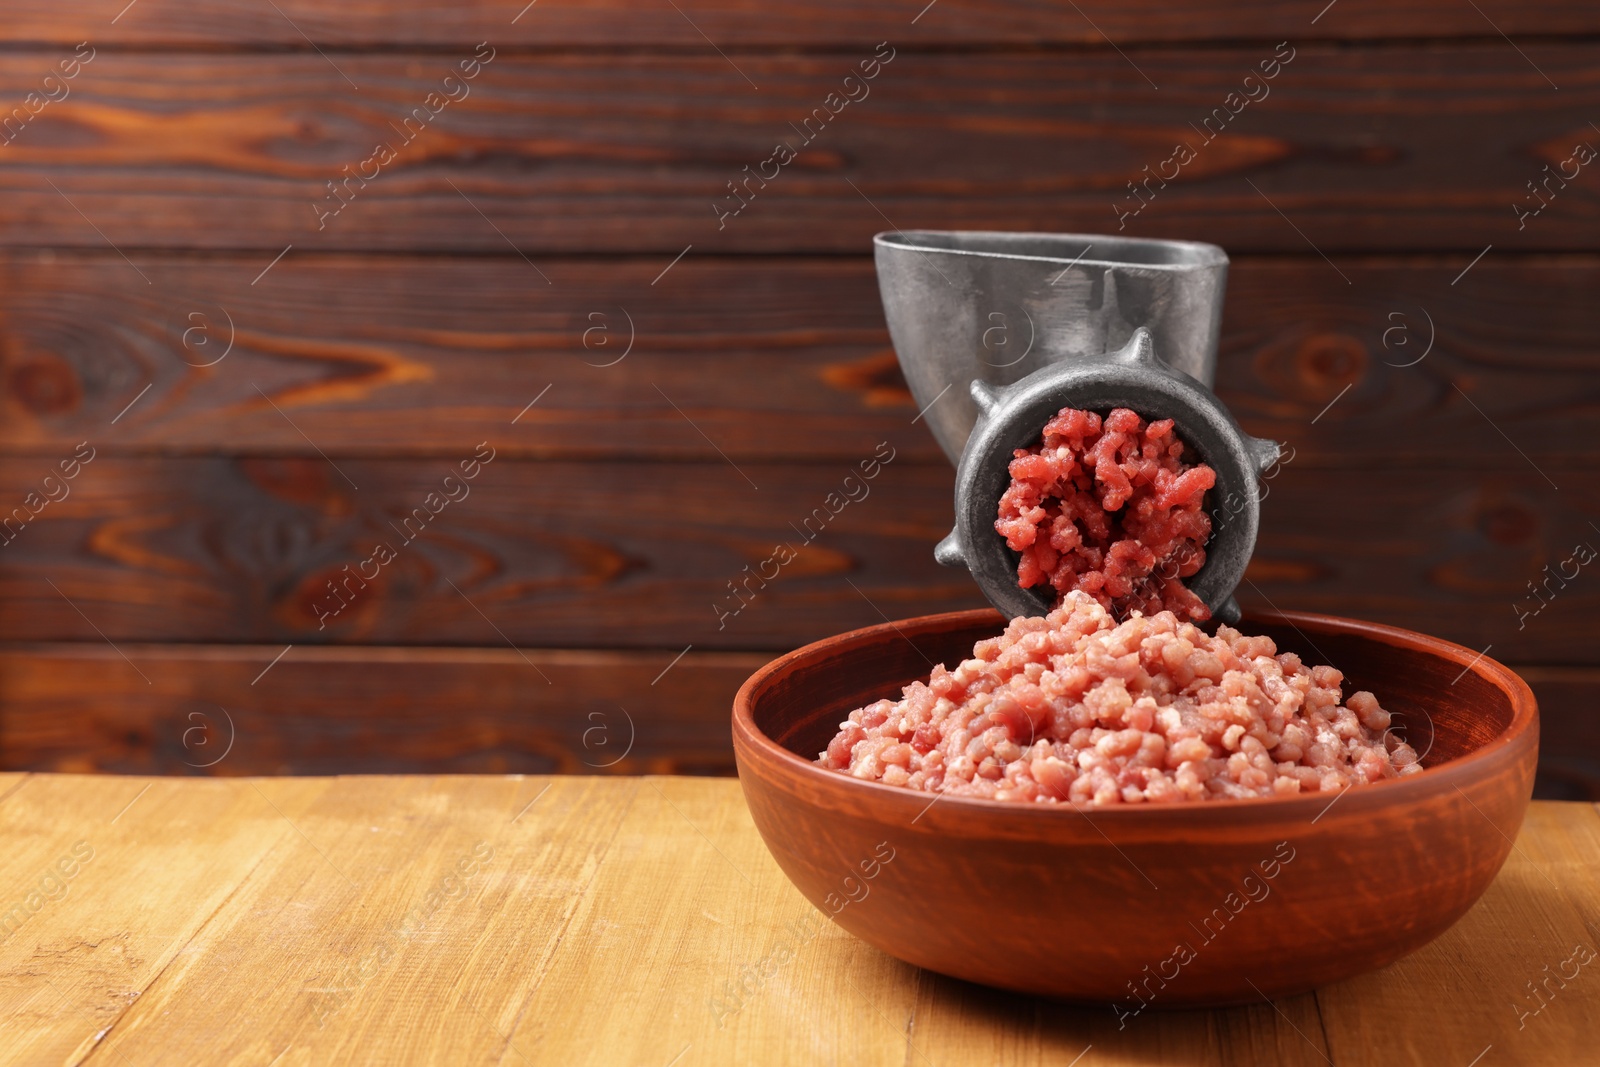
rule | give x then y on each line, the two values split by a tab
476	920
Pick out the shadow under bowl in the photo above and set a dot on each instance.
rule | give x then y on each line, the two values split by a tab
1184	905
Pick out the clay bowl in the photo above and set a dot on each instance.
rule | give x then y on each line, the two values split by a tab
1185	905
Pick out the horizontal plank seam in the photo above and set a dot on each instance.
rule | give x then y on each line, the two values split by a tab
648	258
329	655
1090	44
330	652
1239	250
817	461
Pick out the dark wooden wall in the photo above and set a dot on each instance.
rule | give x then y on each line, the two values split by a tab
529	233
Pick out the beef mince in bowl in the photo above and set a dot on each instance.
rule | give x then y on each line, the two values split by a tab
1076	707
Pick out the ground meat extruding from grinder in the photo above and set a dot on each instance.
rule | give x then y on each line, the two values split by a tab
1076	707
1109	507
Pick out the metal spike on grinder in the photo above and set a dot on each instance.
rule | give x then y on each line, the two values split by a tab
1099	322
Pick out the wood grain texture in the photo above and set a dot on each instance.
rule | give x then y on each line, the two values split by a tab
87	943
595	144
749	24
77	707
1569	724
782	358
254	710
609	920
212	549
188	548
1403	148
778	358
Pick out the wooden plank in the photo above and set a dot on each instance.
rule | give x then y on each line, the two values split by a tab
1440	369
776	358
1453	554
749	24
767	358
629	909
1569	731
319	710
609	555
718	906
1483	972
243	710
408	913
1398	148
138	891
548	554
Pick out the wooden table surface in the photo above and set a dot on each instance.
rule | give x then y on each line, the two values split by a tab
572	920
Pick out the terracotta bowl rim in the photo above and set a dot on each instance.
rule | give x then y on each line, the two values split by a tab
751	741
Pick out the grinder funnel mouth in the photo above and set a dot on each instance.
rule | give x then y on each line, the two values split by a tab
1093	250
994	307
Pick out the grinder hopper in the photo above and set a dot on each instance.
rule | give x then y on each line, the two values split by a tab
996	332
